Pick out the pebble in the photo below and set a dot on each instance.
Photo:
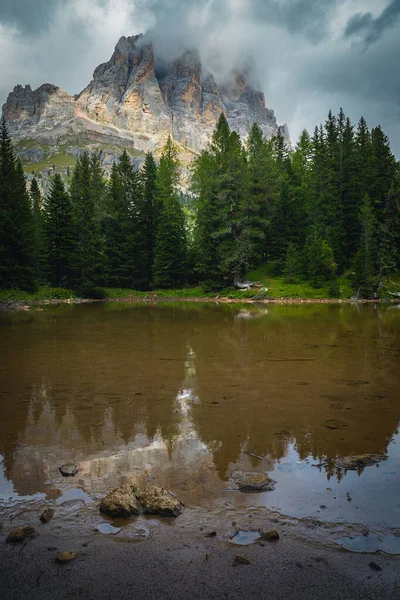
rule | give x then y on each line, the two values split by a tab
65	557
47	515
20	534
68	469
240	560
270	536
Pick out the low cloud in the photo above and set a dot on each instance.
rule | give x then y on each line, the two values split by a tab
306	56
369	28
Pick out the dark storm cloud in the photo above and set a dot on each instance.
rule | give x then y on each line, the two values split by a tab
27	15
309	55
300	16
370	28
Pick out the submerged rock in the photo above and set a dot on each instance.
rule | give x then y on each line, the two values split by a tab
121	502
68	469
352	463
65	557
251	482
47	515
20	534
270	536
240	560
334	424
155	500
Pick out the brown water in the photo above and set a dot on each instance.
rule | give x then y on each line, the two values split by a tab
186	394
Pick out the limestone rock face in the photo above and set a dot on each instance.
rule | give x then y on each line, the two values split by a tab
245	106
137	99
29	112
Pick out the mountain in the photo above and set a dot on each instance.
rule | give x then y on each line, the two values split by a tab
134	101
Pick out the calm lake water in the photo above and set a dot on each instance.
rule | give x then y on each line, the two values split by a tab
186	394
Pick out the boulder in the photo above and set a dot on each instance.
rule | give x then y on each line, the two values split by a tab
251	482
68	469
359	461
20	534
121	502
155	500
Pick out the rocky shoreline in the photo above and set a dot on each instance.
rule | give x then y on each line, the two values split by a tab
154	299
194	556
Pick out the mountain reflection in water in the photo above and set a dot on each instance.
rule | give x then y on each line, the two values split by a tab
184	395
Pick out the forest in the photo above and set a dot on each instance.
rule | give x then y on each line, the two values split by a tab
328	206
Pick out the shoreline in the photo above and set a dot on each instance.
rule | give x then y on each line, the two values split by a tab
17	305
179	558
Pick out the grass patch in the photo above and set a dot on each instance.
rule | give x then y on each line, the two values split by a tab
43	293
279	288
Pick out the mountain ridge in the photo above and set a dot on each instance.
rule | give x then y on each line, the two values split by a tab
136	100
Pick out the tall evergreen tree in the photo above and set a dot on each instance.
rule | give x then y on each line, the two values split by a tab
292	264
59	234
150	210
123	225
318	257
170	247
366	267
88	255
17	232
39	233
263	188
205	179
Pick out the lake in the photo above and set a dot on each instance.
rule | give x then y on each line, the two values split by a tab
185	394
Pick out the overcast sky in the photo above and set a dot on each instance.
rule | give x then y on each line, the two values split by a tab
309	55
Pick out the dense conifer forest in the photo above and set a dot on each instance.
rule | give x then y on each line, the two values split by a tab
329	205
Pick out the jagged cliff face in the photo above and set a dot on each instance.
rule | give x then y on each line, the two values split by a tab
139	100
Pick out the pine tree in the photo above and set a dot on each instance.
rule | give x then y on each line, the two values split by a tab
16	220
170	246
287	224
383	171
263	188
59	234
39	233
149	217
319	260
205	178
326	211
366	257
123	225
88	255
292	264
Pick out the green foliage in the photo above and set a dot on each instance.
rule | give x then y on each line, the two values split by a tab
292	267
87	193
90	292
58	234
170	245
121	224
17	226
319	261
366	268
300	216
150	218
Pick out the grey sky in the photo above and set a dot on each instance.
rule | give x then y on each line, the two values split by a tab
309	55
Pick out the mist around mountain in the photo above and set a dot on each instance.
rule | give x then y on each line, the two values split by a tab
134	102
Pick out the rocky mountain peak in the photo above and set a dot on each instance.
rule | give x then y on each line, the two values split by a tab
139	98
